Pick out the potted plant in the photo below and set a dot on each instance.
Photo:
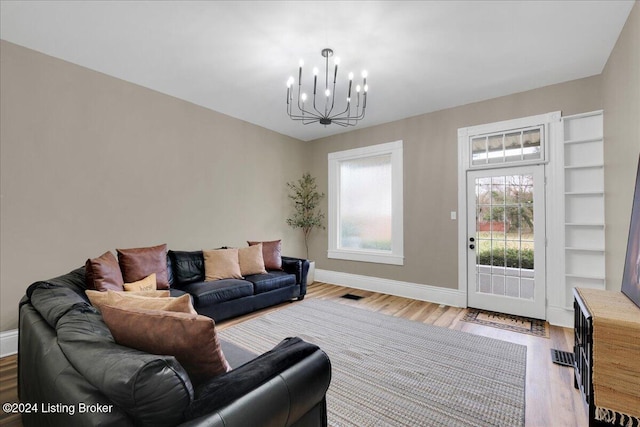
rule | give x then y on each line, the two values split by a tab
306	214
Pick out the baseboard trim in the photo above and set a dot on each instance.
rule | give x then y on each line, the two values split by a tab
8	342
422	292
560	316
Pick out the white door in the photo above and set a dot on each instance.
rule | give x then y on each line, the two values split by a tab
506	240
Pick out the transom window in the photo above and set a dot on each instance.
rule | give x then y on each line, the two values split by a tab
515	146
365	204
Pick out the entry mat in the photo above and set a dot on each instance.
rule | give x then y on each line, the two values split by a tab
524	325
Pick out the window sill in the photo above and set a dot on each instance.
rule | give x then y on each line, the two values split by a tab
375	257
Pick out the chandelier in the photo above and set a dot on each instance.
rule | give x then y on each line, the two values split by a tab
321	108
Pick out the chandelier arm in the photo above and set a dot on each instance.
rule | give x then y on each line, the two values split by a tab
310	116
333	95
299	87
346	111
303	113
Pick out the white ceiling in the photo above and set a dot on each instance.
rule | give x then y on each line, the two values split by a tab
235	57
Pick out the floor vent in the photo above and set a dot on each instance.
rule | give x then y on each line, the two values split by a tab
564	358
352	296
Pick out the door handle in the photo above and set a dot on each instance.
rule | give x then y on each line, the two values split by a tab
472	246
472	239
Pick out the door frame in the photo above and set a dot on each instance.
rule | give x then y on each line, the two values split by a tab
553	137
518	306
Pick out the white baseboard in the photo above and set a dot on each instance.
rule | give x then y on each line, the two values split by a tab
8	342
560	316
557	316
435	294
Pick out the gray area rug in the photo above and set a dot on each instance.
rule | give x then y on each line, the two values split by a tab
389	371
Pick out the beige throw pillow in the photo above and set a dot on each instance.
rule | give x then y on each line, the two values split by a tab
190	338
99	298
221	264
180	304
251	260
271	253
146	284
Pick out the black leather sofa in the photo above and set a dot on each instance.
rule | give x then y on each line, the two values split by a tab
223	299
72	373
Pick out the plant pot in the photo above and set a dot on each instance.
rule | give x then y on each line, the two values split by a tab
312	272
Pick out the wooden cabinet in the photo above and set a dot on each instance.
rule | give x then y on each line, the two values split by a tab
607	325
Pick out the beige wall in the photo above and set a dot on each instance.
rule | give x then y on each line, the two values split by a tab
621	93
430	176
90	163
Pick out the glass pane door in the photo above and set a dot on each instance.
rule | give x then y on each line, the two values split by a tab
506	248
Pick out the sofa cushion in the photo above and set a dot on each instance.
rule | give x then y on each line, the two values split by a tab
250	260
270	281
221	264
188	267
191	338
152	389
217	291
104	273
98	298
138	263
126	300
146	284
271	253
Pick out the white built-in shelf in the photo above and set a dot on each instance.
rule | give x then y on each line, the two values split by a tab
583	140
585	276
583	209
586	166
581	249
584	193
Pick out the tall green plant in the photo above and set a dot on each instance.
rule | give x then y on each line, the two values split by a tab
306	198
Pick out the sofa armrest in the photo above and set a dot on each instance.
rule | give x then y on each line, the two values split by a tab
283	386
299	267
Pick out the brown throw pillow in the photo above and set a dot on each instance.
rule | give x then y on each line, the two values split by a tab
181	304
103	273
98	298
250	260
138	263
271	253
221	264
146	284
190	338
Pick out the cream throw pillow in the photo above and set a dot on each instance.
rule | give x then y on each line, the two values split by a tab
146	284
251	260
180	304
99	298
221	264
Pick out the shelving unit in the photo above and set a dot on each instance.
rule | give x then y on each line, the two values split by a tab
584	224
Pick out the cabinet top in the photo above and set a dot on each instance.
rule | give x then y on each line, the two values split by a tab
609	305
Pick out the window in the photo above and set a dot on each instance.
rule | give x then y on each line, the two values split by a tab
517	146
365	204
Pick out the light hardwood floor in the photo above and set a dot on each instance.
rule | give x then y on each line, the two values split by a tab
551	399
